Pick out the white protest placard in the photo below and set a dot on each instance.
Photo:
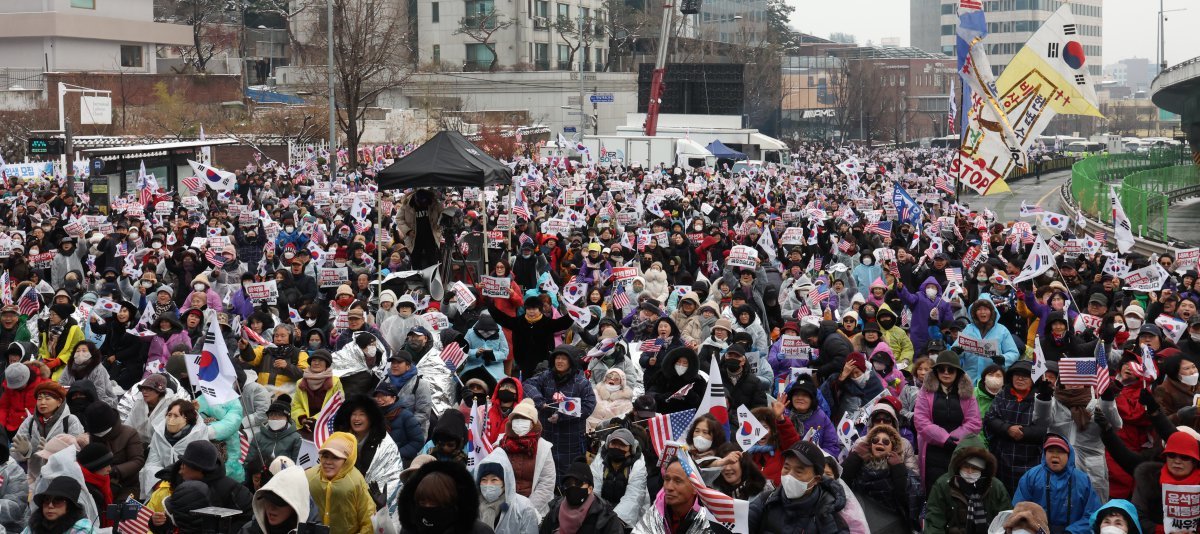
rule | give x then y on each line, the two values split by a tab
495	239
164	207
1186	259
463	293
218	242
332	277
793	235
982	347
495	287
504	222
1181	508
573	196
198	242
262	292
41	261
794	348
1145	279
190	202
556	226
742	256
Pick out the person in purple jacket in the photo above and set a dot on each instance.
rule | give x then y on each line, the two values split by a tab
1056	302
923	305
239	301
806	415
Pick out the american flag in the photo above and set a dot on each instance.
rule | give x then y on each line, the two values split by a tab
361	227
818	295
29	304
139	524
324	425
844	246
192	184
5	289
944	185
954	275
1086	371
880	228
253	337
652	345
1100	235
244	443
668	427
683	391
520	209
720	504
524	239
453	355
620	299
215	258
818	262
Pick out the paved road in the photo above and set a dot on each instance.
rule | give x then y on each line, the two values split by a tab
1007	206
1183	219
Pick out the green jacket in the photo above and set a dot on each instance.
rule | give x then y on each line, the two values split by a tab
946	507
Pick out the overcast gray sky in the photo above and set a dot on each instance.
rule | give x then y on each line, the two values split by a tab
1130	26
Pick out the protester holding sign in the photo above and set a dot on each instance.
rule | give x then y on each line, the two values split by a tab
996	342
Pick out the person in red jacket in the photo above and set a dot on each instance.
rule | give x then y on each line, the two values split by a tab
505	396
1135	430
781	435
18	400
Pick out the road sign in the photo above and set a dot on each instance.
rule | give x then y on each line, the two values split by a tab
568	129
601	98
45	146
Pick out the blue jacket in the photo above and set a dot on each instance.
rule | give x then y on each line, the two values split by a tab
295	238
1069	501
973	363
921	306
499	347
406	431
863	275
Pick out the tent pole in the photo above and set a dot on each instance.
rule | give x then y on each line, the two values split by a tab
483	202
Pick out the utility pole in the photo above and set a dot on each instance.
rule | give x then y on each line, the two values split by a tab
332	100
582	116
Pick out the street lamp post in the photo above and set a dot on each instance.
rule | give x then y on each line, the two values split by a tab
332	100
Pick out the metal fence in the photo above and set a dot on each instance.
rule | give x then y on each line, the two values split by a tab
22	78
1146	185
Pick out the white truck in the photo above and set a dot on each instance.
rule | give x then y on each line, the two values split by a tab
649	152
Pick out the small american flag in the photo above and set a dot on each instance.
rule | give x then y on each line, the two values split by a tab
954	275
880	228
1086	371
244	443
667	427
652	345
215	258
1100	235
361	227
453	355
943	185
324	425
620	299
29	304
818	262
906	317
524	239
683	391
139	524
721	505
5	289
192	184
818	294
844	246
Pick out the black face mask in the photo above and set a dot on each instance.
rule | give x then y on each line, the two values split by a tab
506	396
616	455
731	365
887	322
576	495
436	520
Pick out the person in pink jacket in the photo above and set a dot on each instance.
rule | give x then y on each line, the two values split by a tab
946	412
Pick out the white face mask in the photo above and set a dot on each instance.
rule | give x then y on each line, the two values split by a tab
1194	336
521	427
1133	324
370	350
1111	529
868	261
793	488
1190	379
83	357
930	292
862	379
969	478
310	322
994	383
702	444
277	424
879	367
612	387
198	287
491	492
102	434
680	369
289	229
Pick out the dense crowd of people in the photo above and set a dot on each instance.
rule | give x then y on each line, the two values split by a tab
834	344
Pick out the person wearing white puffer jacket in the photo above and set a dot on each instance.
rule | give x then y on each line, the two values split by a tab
657	287
396	328
522	446
614	398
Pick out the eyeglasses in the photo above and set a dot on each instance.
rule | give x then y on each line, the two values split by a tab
946	370
881	441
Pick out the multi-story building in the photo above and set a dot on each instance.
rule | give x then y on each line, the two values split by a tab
1134	73
84	35
526	35
1010	24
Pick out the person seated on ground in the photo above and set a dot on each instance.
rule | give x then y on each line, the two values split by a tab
56	509
500	506
579	510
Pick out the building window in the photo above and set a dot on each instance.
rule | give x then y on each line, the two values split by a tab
564	57
131	56
437	54
436	12
542	8
564	11
84	4
479	57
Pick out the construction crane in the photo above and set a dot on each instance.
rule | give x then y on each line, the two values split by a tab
689	7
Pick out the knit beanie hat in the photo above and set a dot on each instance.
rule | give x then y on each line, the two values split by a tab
50	388
16	375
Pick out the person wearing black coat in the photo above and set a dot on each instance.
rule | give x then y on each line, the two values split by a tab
124	351
670	381
201	462
742	387
426	506
1060	340
833	345
532	334
578	491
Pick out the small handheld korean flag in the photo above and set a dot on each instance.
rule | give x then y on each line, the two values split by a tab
749	430
571	406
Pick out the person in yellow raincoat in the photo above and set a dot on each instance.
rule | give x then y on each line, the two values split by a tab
343	501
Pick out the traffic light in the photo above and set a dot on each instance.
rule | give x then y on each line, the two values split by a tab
690	7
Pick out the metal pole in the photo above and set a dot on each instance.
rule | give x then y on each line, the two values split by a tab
582	117
62	120
332	100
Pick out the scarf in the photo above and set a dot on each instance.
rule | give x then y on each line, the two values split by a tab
316	381
174	438
526	444
1077	401
160	309
102	484
489	512
976	511
569	518
400	381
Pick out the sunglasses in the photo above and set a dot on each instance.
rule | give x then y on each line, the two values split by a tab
54	501
946	370
881	441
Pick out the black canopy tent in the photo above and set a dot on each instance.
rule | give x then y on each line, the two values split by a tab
446	160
